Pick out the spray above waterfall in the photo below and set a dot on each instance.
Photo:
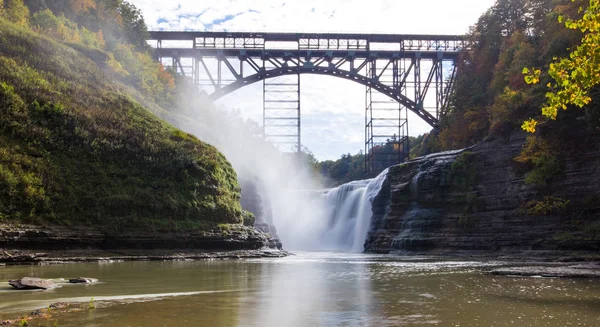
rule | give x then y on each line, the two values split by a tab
304	218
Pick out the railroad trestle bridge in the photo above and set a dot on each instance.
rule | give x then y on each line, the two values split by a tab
400	73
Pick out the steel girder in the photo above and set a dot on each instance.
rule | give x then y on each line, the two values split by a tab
416	71
327	64
340	41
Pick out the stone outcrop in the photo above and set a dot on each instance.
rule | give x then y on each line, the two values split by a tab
473	199
60	238
32	283
255	202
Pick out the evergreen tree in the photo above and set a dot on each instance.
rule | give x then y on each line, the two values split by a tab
511	15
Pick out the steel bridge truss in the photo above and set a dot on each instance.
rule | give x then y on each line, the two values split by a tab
401	73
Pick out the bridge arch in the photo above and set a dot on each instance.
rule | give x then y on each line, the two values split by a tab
409	69
335	72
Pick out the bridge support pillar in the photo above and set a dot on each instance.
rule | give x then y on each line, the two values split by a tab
386	121
281	112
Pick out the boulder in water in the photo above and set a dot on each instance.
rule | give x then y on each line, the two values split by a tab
32	283
83	280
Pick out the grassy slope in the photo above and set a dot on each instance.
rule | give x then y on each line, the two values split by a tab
75	148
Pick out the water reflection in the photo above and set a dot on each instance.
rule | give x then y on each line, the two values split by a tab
309	293
312	290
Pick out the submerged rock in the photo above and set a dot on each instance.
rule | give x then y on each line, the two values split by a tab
83	280
32	283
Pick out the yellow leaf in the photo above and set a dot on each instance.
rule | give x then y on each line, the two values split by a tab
529	125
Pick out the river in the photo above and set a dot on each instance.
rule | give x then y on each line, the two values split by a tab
308	289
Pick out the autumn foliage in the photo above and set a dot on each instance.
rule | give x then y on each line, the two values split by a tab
113	28
573	76
491	97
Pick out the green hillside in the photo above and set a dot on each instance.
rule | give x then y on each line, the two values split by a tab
76	148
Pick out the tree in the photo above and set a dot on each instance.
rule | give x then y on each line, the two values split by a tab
45	20
16	12
80	7
575	75
539	11
511	14
136	31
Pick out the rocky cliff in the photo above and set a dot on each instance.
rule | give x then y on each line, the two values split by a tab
477	199
260	207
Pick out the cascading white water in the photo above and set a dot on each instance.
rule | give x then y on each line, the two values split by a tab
344	223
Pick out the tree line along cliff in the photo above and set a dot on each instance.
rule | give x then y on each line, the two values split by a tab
491	98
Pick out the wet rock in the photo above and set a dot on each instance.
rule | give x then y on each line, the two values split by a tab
37	313
30	283
568	272
17	256
91	255
254	200
83	280
26	239
59	305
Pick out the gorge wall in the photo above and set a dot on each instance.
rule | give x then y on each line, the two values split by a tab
474	199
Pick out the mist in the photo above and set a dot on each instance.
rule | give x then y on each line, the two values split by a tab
306	216
286	184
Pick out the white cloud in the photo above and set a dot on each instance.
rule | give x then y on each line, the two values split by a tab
332	110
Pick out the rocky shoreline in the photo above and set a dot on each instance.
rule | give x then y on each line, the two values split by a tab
27	257
45	314
29	244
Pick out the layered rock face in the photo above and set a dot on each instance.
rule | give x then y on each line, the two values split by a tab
68	238
474	199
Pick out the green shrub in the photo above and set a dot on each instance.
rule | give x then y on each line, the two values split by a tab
546	167
549	205
225	228
16	12
45	20
248	218
463	172
542	160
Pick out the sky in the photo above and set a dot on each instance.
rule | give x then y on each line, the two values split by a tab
332	108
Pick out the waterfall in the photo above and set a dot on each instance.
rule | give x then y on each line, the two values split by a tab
336	219
348	214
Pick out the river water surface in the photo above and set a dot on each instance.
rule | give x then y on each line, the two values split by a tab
309	289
